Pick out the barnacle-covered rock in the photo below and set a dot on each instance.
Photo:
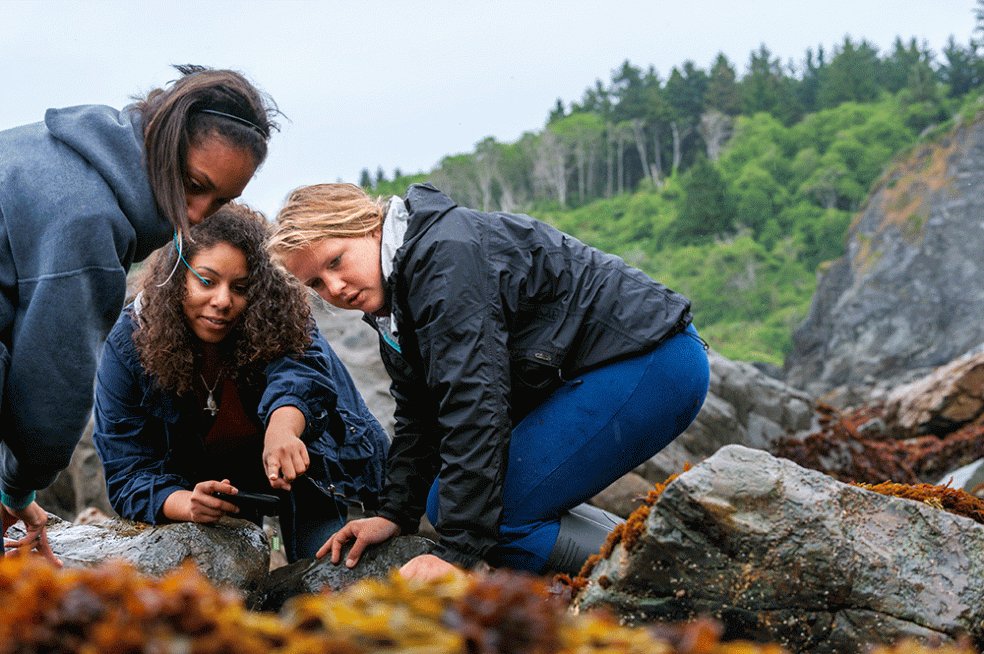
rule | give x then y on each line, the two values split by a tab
784	554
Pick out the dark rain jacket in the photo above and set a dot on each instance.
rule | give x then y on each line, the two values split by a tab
493	312
76	210
151	444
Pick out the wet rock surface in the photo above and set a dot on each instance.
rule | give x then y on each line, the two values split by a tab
315	575
232	553
357	345
785	554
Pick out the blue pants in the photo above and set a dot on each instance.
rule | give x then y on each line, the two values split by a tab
588	434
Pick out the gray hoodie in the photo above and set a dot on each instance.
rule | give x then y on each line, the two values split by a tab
76	210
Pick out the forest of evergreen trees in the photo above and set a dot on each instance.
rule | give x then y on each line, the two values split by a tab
733	190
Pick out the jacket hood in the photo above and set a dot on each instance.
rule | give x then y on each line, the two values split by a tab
111	141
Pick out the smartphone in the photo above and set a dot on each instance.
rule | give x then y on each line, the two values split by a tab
262	503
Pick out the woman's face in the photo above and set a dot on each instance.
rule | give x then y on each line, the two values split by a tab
344	271
213	307
216	173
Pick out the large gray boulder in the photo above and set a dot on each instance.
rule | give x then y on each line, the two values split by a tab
785	554
232	553
908	293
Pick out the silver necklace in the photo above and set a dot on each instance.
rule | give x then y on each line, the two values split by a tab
210	404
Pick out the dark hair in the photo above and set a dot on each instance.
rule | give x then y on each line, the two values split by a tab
275	322
181	115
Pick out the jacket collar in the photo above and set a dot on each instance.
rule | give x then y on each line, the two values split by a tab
426	205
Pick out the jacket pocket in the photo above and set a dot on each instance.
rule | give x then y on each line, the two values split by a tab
537	370
356	443
354	457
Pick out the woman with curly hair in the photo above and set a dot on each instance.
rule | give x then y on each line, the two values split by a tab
215	380
84	193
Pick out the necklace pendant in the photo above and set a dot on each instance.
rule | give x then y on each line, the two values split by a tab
210	404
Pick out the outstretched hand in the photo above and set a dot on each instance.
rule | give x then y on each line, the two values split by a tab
367	531
36	537
285	456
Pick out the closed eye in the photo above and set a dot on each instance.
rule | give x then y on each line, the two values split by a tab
193	187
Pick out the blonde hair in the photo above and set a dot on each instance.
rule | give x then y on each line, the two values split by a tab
314	213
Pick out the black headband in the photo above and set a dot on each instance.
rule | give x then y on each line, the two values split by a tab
242	121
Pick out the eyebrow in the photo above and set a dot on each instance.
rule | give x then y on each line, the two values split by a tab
216	273
210	185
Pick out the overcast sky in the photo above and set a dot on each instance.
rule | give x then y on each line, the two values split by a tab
400	84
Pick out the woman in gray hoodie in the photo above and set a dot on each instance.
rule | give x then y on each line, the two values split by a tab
83	195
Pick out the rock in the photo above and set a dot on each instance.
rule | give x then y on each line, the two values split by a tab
785	554
314	575
743	406
91	516
967	478
857	446
624	496
908	293
943	401
357	345
232	553
80	486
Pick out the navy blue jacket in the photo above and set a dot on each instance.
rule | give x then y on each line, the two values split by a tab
493	312
151	448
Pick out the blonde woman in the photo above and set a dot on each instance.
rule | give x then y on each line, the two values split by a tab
530	371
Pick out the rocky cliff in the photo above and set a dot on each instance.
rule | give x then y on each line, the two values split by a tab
908	294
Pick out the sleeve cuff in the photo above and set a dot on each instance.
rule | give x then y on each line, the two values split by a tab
314	424
17	503
407	527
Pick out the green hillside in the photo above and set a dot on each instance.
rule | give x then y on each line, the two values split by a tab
732	191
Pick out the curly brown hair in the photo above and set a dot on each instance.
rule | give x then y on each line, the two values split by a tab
276	322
